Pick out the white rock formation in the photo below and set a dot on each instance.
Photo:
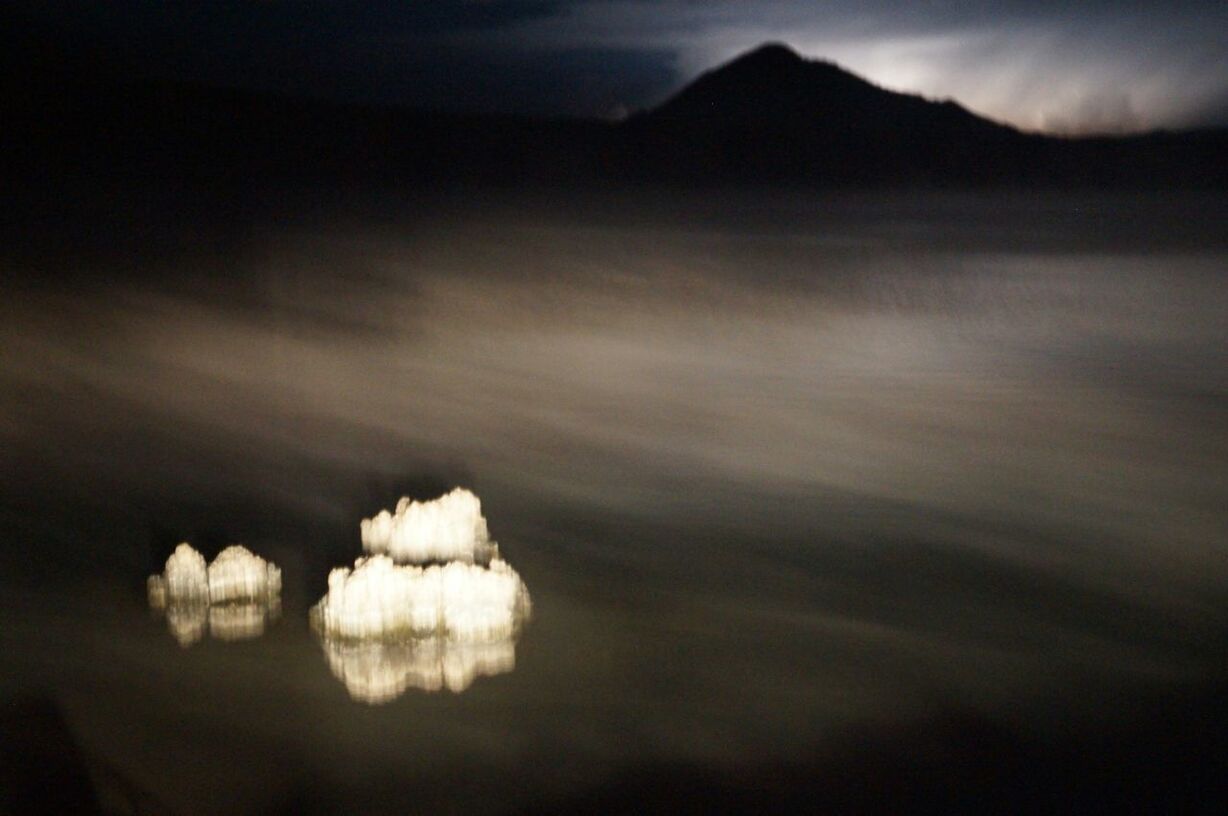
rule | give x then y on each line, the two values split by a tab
238	575
232	599
449	528
465	602
386	627
184	579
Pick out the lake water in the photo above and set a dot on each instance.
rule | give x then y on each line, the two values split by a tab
772	469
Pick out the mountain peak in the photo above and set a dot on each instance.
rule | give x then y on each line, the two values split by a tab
774	61
771	82
770	52
773	114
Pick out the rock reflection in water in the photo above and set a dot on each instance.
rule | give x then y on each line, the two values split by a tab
234	598
187	621
375	671
242	621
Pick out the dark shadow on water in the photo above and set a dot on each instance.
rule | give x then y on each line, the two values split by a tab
1166	754
43	770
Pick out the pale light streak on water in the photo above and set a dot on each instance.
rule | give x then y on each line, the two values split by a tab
762	483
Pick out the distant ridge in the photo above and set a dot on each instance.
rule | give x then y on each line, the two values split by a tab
84	134
773	83
772	117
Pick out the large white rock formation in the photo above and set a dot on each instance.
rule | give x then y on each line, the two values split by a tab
449	528
379	599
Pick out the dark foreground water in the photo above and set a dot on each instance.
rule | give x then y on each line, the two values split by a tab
851	497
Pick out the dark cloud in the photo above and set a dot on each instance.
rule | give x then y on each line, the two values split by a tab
592	82
288	19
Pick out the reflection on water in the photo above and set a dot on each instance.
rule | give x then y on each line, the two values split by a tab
377	671
234	598
242	621
189	621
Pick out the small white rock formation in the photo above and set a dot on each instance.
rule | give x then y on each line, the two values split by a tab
234	598
238	575
449	528
184	579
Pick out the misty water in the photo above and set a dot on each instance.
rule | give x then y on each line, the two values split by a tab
771	468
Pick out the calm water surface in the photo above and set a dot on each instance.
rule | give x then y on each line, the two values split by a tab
769	472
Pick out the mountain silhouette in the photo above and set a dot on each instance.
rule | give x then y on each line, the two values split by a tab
773	117
92	145
773	90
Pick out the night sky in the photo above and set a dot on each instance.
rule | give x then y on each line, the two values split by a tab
1063	67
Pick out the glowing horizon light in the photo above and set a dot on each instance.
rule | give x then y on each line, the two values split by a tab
448	528
232	599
